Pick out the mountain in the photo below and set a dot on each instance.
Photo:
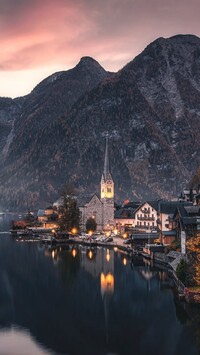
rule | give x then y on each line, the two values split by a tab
9	109
150	108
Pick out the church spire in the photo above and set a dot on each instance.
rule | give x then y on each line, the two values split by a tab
106	170
107	184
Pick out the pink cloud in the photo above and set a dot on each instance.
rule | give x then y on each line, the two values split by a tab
36	34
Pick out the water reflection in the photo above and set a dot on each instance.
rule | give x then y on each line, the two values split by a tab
77	300
14	341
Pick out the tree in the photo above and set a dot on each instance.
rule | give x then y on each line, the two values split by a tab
193	246
91	224
181	271
69	211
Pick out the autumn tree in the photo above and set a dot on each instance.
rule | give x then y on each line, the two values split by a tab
193	246
69	211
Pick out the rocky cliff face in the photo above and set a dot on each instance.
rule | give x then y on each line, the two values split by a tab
151	110
9	110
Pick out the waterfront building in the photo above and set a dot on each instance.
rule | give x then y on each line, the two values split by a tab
187	219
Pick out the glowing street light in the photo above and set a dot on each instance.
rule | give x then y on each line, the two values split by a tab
74	230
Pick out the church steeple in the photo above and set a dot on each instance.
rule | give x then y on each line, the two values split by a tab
107	184
106	170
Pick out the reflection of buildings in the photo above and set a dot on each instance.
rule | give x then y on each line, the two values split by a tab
101	263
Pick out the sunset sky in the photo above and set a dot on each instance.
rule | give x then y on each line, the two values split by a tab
39	38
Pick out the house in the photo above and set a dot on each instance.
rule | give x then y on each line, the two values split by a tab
125	216
165	222
187	219
48	218
146	216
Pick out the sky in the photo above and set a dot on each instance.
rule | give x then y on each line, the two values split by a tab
39	38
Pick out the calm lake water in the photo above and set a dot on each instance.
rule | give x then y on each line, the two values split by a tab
91	302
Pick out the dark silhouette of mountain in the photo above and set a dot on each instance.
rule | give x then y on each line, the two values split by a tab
150	108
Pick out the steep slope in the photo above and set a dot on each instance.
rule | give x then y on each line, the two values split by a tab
51	99
37	132
151	110
9	111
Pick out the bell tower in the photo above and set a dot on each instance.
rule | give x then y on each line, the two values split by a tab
107	191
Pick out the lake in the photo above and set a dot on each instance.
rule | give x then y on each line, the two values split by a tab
74	300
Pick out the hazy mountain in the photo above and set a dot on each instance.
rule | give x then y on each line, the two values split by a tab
151	109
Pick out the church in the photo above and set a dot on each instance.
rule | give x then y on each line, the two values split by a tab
101	208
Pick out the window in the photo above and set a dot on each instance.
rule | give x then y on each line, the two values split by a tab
94	214
109	189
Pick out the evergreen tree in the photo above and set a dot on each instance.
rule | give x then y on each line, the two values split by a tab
69	211
91	224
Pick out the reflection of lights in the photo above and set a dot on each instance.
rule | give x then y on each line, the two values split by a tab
115	231
74	253
108	255
107	283
147	274
90	254
74	230
125	235
115	248
54	253
124	261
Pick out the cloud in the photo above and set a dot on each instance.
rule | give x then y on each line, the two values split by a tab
36	34
33	33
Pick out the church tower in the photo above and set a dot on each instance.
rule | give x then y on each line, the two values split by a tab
107	192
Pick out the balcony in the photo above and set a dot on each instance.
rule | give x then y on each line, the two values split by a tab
145	210
146	218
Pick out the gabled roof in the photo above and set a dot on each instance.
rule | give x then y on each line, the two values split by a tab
124	213
41	213
192	209
170	207
84	199
153	204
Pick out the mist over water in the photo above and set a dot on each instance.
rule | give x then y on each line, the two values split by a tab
74	300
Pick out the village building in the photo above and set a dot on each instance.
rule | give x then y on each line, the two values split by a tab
146	216
125	216
187	218
47	218
101	208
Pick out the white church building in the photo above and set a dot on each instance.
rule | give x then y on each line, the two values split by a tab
101	208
